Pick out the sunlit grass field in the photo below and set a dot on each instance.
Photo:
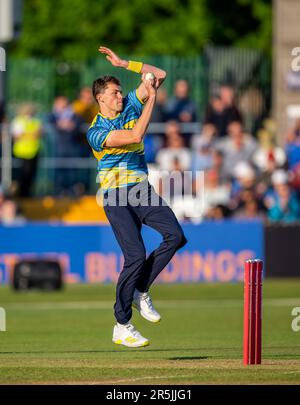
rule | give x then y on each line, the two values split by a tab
65	337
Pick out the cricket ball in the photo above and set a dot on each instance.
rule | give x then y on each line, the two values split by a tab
149	76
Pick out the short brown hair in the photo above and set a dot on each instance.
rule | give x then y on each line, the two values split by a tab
100	84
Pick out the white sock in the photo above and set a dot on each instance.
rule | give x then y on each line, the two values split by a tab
122	324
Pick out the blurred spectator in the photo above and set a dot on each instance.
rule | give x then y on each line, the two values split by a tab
236	147
215	115
153	141
214	193
202	145
207	136
292	149
86	109
180	107
177	188
249	210
268	157
26	131
294	132
244	174
221	110
245	202
85	106
231	111
65	124
218	212
201	158
282	202
175	149
218	164
244	179
152	144
9	214
159	110
252	105
172	128
176	182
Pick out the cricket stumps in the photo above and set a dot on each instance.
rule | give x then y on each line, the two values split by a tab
252	311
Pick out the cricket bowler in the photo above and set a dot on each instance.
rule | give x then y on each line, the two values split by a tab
116	138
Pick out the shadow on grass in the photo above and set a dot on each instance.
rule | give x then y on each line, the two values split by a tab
118	350
190	358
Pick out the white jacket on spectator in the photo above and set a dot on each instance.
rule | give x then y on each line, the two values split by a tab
261	158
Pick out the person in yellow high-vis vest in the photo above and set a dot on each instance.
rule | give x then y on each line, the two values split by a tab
26	131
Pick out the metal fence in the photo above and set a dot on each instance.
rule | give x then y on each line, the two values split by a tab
249	72
40	80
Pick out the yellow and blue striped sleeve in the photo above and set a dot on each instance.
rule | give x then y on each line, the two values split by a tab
97	136
135	101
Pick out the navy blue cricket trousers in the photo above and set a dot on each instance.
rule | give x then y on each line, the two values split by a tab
126	218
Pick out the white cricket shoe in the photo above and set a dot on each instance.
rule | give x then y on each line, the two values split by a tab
143	303
127	335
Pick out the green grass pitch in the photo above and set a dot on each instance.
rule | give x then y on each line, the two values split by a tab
65	337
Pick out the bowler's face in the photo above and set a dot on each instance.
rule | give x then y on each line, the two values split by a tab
112	97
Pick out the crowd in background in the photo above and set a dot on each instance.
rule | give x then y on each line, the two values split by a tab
243	175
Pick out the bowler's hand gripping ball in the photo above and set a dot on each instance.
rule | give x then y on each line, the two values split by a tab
149	76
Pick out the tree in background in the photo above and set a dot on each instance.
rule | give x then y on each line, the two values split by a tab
67	29
246	23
